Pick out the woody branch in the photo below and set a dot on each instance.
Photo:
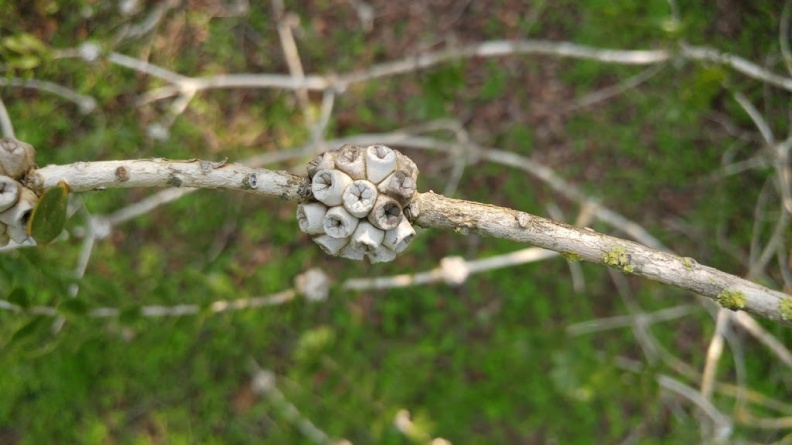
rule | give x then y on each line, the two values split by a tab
430	210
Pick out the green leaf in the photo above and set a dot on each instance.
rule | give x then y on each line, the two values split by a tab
19	297
49	216
36	325
74	307
24	43
26	62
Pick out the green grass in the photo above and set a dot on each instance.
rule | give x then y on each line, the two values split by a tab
487	362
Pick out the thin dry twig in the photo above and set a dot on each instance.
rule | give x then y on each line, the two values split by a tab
264	384
723	426
614	90
714	353
85	103
452	270
623	321
769	340
640	327
289	46
783	35
497	48
5	121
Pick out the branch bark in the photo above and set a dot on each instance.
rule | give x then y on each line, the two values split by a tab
158	172
430	210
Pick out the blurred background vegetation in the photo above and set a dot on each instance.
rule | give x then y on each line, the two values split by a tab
486	362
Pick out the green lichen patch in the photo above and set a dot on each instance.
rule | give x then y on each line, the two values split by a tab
786	308
689	263
619	259
731	299
572	257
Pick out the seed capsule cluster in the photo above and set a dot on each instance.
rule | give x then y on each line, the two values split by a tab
16	201
361	194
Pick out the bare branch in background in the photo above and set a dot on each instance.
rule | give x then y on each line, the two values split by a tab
86	104
497	48
5	121
723	425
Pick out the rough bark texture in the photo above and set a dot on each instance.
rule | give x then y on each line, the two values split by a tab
87	176
465	217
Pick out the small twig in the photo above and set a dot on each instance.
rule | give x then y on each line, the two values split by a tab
764	337
460	160
714	352
85	103
146	205
674	12
783	266
614	90
147	24
623	321
85	252
289	47
497	48
759	258
640	327
756	117
723	426
5	121
144	67
737	63
783	35
264	384
758	223
583	220
319	128
452	270
178	310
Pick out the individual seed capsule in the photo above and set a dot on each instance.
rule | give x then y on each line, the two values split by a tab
328	186
359	198
400	237
331	246
9	193
398	185
350	160
407	164
380	162
16	217
352	253
367	237
324	161
16	157
339	223
381	255
386	214
310	216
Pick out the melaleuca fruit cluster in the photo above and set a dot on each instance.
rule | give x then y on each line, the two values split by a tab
361	194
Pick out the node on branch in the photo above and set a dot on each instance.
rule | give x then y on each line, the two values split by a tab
360	194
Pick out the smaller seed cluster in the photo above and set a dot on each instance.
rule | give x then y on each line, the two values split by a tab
16	201
361	193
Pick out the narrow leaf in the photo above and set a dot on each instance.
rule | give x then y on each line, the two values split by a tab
19	297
